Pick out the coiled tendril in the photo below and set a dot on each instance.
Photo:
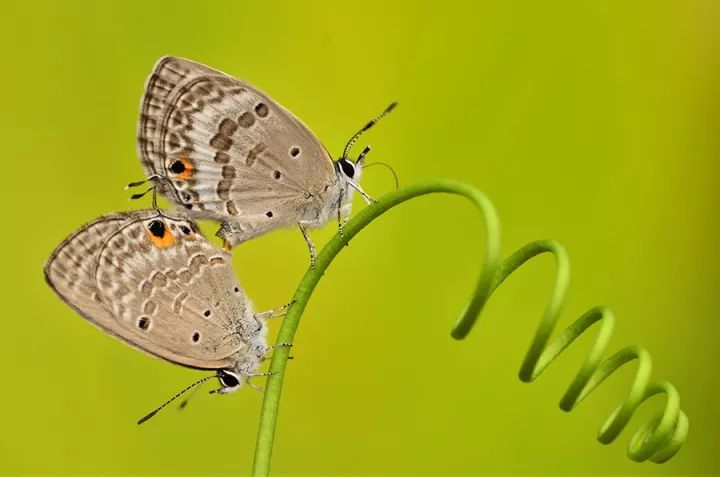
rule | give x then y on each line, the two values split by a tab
658	440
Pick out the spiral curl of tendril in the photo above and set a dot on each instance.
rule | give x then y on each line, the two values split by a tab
657	440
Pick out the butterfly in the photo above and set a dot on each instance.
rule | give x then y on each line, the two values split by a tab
154	282
226	151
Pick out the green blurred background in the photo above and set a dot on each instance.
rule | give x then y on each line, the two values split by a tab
593	123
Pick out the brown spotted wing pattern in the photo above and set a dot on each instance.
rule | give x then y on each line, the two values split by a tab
154	282
228	151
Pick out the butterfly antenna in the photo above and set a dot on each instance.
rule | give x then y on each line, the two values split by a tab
160	408
370	124
378	163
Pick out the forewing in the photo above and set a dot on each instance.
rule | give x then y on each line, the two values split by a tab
229	151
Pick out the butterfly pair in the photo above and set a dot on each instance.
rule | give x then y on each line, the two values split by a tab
221	150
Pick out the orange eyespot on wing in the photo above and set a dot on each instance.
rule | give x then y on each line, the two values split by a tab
182	168
159	234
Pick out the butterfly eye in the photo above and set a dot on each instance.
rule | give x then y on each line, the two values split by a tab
347	167
228	380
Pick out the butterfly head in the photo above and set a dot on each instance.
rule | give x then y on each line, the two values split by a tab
349	169
349	173
229	380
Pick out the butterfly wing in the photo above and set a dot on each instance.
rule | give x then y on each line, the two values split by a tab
229	152
70	269
150	280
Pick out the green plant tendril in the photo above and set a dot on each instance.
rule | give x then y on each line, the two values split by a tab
659	439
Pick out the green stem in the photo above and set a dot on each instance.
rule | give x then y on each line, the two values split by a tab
658	440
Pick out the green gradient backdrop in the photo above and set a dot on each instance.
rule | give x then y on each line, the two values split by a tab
588	122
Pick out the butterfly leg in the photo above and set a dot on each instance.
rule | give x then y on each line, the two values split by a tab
360	190
267	373
340	224
310	243
275	312
255	386
266	358
345	212
339	213
283	344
